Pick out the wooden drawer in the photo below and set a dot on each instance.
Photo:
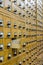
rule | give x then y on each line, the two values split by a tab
7	33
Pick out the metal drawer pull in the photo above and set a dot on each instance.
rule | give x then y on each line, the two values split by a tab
24	50
8	35
9	24
20	27
15	53
1	3
15	25
20	35
24	60
24	35
20	51
1	22
9	56
9	44
1	35
15	11
23	7
1	47
27	29
23	15
19	13
24	44
19	4
20	63
23	27
1	58
14	1
9	8
27	52
15	34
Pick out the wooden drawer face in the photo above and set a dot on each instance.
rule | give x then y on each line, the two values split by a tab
19	33
14	32
6	21
14	23
7	42
7	33
23	41
8	55
1	53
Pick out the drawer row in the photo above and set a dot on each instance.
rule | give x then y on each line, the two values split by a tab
15	33
20	25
